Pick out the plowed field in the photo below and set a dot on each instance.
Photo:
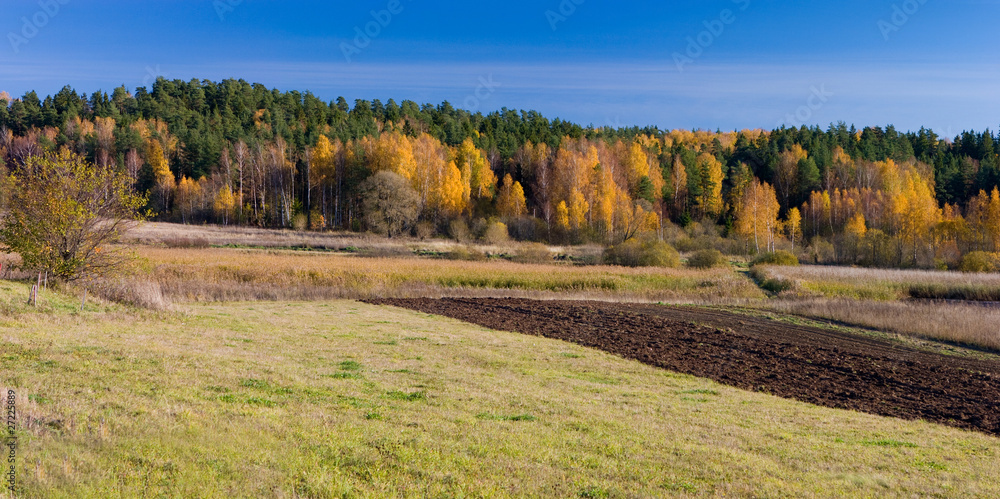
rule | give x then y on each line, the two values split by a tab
813	365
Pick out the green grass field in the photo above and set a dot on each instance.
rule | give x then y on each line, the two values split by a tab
342	399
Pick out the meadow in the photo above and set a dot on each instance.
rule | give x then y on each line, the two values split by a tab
250	371
936	305
336	398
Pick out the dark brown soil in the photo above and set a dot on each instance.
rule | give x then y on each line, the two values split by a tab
813	365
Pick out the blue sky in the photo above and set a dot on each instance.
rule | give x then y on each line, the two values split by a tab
676	64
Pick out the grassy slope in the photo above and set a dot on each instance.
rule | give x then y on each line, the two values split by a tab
344	399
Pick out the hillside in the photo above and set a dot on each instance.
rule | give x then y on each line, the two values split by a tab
234	153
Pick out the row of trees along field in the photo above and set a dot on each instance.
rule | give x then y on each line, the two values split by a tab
236	153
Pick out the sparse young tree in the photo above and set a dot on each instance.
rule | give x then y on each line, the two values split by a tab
793	226
66	215
161	171
757	215
389	203
224	204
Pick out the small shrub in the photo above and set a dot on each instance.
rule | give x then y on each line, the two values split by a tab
534	253
496	233
770	284
317	221
978	261
459	230
625	254
424	230
585	255
478	228
300	222
821	251
779	257
706	259
659	254
686	244
633	253
467	253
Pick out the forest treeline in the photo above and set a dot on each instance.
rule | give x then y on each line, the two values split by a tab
231	152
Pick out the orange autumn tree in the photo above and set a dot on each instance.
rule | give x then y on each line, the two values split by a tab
164	178
679	185
224	204
392	152
572	172
478	179
793	225
511	202
322	175
757	215
189	193
984	219
437	179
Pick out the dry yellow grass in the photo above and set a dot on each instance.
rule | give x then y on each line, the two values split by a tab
341	399
157	233
879	299
862	297
171	235
972	325
876	284
222	274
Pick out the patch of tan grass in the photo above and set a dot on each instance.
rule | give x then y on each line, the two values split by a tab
143	293
972	325
166	233
222	274
877	284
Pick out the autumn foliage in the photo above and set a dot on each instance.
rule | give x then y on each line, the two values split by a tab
235	153
65	215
